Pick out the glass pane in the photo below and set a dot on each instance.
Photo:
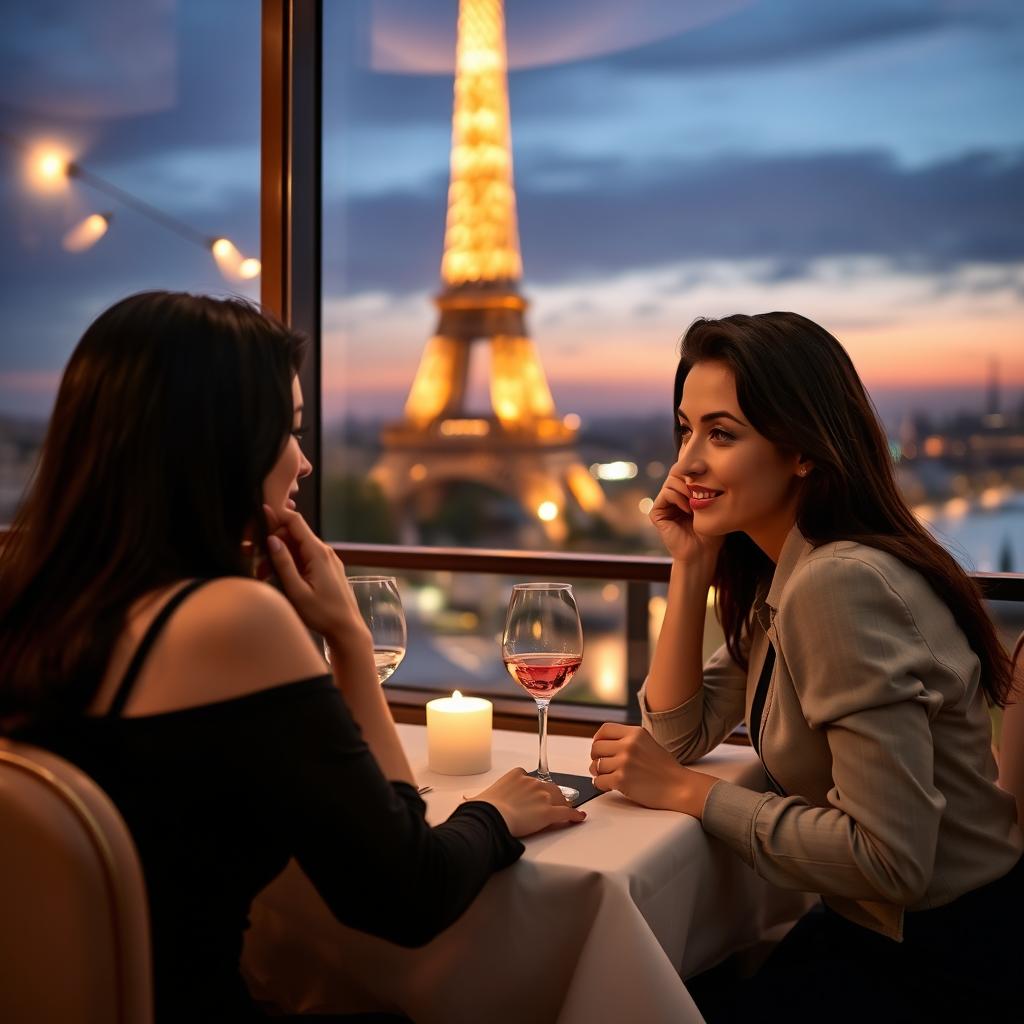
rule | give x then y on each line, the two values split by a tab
672	160
129	143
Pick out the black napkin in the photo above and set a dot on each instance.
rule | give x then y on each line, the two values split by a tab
583	783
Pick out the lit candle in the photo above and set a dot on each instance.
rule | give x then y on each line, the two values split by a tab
459	735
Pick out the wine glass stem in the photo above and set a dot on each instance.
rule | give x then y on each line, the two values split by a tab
542	757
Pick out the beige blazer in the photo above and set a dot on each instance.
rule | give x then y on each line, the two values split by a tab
876	729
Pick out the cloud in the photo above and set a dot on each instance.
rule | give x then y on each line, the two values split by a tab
152	75
74	60
788	31
784	210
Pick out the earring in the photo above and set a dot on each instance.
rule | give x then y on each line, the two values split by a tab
802	471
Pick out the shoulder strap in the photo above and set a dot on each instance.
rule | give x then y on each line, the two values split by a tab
757	710
141	652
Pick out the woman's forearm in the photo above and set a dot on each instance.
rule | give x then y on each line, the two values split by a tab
356	677
677	665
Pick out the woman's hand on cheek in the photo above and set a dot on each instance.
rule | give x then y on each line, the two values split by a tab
672	516
313	579
276	528
634	764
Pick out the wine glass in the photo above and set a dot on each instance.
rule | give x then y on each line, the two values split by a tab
381	608
542	648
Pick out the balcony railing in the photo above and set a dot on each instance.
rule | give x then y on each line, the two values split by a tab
637	572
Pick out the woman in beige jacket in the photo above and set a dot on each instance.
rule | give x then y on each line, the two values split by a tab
860	656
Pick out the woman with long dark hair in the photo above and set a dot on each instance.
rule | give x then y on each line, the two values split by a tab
861	658
135	641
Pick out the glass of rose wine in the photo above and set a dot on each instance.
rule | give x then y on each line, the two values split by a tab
381	608
542	647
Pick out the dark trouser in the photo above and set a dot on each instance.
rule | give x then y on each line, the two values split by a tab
962	962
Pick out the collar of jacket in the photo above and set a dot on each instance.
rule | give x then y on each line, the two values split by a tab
795	548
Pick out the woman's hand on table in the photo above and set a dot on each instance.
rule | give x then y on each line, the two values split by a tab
628	759
527	804
313	579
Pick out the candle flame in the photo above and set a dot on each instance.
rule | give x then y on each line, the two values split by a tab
457	695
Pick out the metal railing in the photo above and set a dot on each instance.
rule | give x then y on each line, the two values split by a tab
636	571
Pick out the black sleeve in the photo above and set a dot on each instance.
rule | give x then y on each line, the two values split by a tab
364	841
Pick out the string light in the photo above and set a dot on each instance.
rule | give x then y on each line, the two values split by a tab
86	234
50	168
231	262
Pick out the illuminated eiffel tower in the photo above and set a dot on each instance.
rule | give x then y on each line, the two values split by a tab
520	447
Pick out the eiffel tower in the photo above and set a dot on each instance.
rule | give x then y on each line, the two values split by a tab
519	447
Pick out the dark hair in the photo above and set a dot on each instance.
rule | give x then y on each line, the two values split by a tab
172	410
799	389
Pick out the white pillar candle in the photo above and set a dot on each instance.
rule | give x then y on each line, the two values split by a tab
459	735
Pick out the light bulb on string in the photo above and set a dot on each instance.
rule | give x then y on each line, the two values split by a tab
87	233
48	168
233	265
249	268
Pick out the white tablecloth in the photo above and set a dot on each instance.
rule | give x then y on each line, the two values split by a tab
595	923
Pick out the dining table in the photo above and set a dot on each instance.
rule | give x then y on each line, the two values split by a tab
601	921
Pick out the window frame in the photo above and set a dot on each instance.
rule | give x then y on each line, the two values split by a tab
291	132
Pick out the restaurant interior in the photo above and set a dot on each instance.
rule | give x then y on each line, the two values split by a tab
486	442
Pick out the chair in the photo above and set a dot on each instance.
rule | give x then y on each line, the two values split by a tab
1011	740
74	927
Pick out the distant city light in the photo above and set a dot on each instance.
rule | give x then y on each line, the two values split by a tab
604	658
547	511
924	514
993	497
645	505
956	508
87	233
429	600
572	421
933	447
614	470
656	469
656	608
610	592
418	473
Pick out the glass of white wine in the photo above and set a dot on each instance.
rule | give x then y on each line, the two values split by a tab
380	605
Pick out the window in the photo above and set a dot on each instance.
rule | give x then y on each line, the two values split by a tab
129	143
837	160
862	172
